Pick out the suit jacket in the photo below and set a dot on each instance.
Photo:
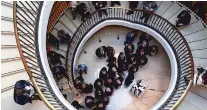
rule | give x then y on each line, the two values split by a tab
88	89
103	76
127	50
115	84
109	93
58	70
52	39
98	4
92	103
54	57
149	5
98	51
129	79
98	83
133	4
99	94
122	64
81	8
184	17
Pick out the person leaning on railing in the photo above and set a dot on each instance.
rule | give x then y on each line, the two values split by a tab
100	4
73	6
54	58
24	92
150	6
82	10
58	72
63	36
79	8
132	5
51	39
113	3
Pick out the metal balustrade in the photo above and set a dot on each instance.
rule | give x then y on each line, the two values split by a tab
26	37
168	31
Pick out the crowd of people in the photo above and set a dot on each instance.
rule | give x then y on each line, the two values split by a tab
81	8
120	69
54	57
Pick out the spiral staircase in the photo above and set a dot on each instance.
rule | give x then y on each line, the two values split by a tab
31	20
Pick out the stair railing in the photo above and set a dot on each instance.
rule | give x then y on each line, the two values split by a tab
167	30
26	34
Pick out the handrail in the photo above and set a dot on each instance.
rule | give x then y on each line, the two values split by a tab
10	59
156	22
175	106
10	46
7	32
10	19
12	72
169	32
7	88
26	47
11	5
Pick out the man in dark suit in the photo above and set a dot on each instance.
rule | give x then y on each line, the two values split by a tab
132	5
100	4
82	10
101	52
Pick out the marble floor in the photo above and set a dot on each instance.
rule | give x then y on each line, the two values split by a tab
155	74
